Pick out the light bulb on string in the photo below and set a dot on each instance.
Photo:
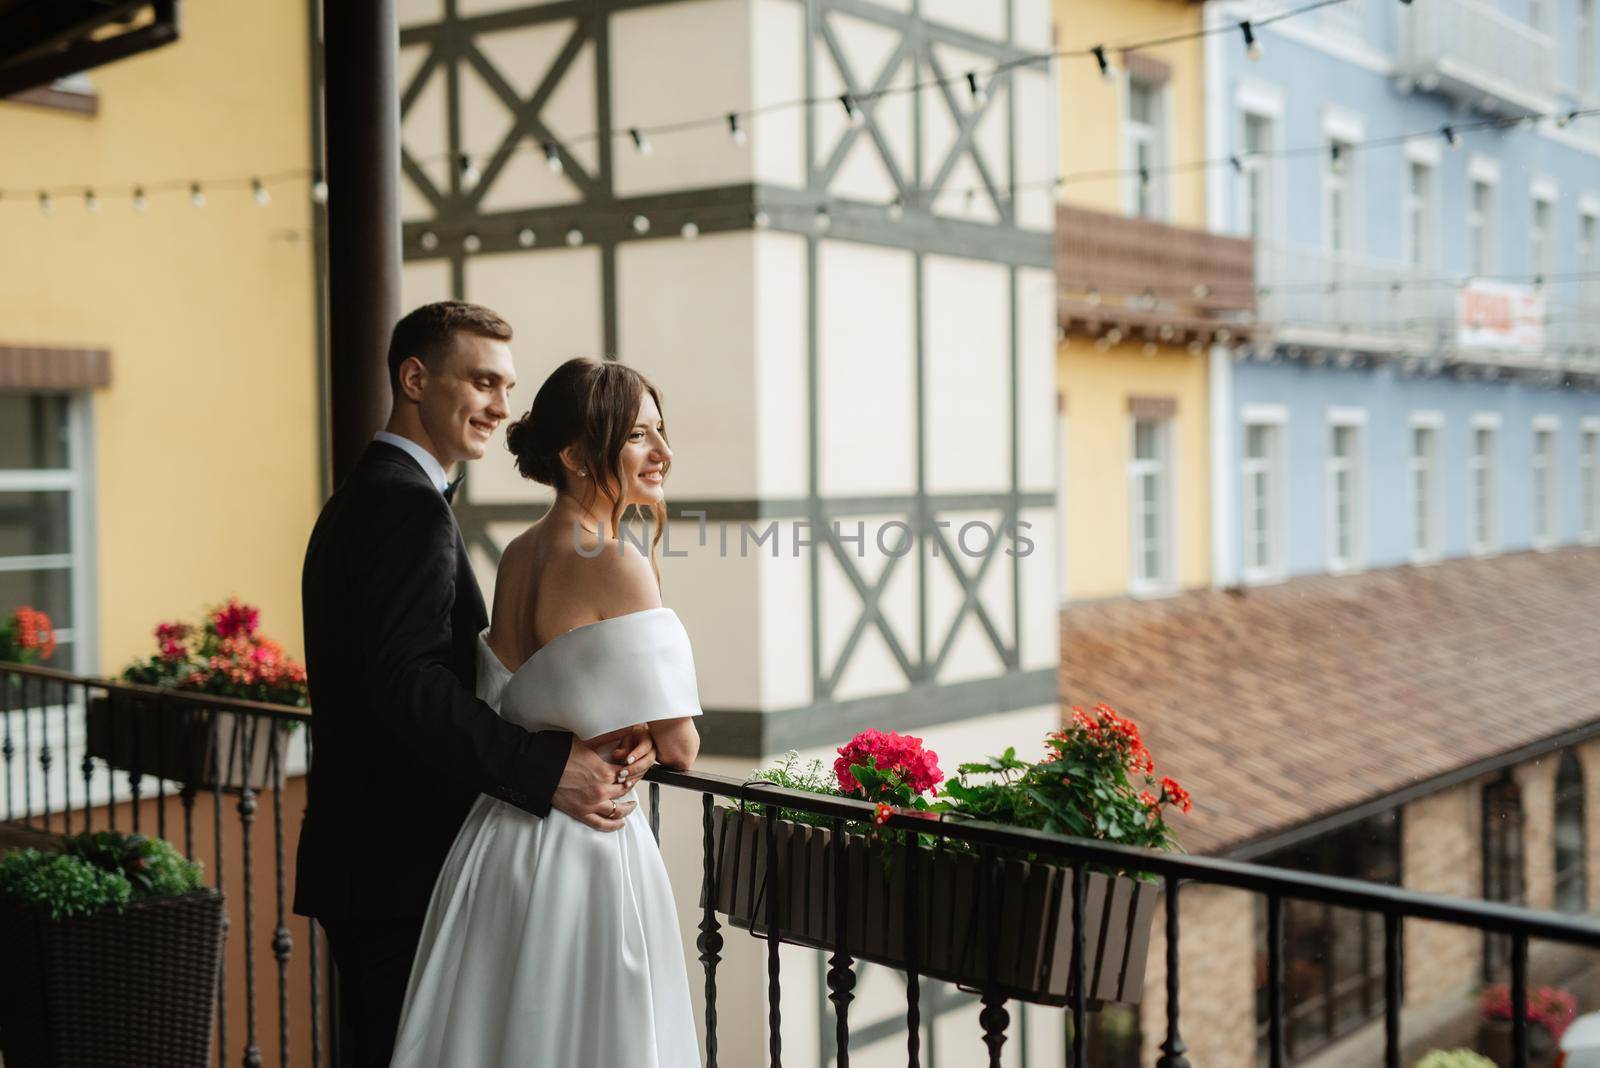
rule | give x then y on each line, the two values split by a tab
1451	138
897	209
1252	47
429	240
1106	73
822	220
979	95
641	143
574	237
526	237
641	224
197	196
90	203
738	133
46	204
1335	159
1237	164
552	157
690	230
470	174
1562	121
259	192
319	190
471	243
852	110
761	220
139	201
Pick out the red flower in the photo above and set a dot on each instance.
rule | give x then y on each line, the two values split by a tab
1175	794
235	619
881	813
888	751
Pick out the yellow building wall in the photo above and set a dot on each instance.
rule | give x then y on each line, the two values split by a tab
205	444
1091	110
1098	444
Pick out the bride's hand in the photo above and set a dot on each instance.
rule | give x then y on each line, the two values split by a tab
636	752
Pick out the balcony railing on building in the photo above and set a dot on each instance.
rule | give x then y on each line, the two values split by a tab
46	788
1477	55
1148	280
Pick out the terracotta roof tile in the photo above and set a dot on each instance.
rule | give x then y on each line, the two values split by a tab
1291	702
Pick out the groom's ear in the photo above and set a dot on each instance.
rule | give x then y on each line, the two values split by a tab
412	375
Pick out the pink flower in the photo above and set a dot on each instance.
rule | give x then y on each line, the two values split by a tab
235	619
888	751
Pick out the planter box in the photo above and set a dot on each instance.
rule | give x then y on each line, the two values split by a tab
178	741
1032	958
134	989
1494	1042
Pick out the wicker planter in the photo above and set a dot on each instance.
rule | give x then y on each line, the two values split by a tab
130	989
183	743
1032	951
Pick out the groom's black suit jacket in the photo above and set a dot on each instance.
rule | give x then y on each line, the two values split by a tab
400	746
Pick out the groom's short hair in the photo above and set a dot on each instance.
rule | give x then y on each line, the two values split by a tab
429	333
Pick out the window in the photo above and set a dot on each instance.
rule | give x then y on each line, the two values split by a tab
1502	866
1344	492
42	498
1151	479
1572	888
1147	139
1541	239
1256	161
1424	487
1332	957
1339	196
1545	470
1480	229
1481	467
1419	227
1589	482
1263	505
1589	251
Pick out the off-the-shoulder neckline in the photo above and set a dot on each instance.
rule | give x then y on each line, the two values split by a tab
483	636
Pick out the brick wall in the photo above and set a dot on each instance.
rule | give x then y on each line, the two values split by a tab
1440	853
1216	941
1538	781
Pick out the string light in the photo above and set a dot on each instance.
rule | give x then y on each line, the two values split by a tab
197	196
470	175
526	237
760	220
46	205
574	237
90	204
740	136
1099	54
1563	119
641	143
690	230
896	209
1451	138
1335	161
471	243
822	220
1237	164
852	111
259	191
429	240
552	157
641	224
979	95
319	190
1252	47
139	202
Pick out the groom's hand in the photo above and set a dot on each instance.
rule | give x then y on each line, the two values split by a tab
589	790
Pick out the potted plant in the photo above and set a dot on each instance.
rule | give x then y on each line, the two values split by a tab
226	656
1088	783
26	637
112	949
1549	1011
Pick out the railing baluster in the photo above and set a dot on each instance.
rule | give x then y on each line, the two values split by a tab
216	816
282	943
136	773
1173	1049
913	914
8	682
46	757
161	782
27	748
841	969
1519	1000
710	941
66	748
993	1018
186	796
87	766
244	737
1275	1053
1392	992
1080	983
774	981
114	707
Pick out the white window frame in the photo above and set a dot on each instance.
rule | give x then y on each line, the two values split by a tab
1489	501
1264	102
1482	170
1162	469
1275	416
1347	128
1546	477
1354	466
1543	192
1425	545
1589	474
1160	138
1424	154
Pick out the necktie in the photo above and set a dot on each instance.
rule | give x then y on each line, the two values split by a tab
450	490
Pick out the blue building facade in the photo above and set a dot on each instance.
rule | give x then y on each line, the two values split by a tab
1426	383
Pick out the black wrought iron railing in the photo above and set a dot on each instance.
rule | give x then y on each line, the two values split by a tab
40	707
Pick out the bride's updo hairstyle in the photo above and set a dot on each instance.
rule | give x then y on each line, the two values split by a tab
591	405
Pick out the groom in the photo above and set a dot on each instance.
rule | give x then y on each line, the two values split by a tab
401	747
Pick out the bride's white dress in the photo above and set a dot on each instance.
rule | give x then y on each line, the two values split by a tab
548	943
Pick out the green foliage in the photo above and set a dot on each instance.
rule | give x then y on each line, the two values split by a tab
60	884
95	871
1455	1058
813	778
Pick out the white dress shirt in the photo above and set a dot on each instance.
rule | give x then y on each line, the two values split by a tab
430	465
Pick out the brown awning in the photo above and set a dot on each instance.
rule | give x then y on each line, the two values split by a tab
45	367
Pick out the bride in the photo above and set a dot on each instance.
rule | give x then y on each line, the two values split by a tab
547	942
